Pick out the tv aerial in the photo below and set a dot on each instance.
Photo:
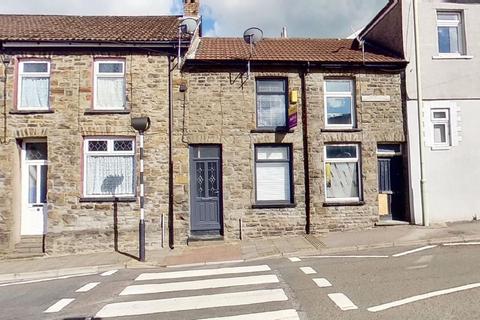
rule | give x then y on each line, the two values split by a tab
188	26
252	36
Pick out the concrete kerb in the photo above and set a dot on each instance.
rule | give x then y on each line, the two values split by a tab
37	275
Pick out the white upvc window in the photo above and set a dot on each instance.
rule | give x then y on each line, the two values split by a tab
273	174
440	121
342	173
339	103
109	85
33	85
450	33
109	167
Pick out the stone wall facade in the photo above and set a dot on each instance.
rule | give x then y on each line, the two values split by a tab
76	224
219	107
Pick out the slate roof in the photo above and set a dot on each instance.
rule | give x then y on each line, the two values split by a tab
290	50
88	28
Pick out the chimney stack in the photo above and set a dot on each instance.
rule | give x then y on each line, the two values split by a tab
191	8
284	33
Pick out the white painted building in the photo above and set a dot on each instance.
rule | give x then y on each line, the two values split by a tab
449	51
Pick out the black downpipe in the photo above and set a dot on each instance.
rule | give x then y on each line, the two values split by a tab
171	236
306	166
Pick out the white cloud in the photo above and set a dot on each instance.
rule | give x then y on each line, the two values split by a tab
303	18
90	7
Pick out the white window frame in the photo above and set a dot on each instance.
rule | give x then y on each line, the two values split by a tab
113	75
343	160
110	152
460	29
340	94
22	74
289	160
441	121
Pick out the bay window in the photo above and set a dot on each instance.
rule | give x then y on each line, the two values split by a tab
109	85
109	167
273	171
342	173
33	85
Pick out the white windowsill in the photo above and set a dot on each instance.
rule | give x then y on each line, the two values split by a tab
441	148
452	57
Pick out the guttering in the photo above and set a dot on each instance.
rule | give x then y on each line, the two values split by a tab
93	44
421	129
306	154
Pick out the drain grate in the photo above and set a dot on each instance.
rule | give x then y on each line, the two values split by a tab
314	241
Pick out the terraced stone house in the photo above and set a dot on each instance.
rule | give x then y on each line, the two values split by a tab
309	140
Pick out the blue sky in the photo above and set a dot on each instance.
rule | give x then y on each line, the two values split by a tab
303	18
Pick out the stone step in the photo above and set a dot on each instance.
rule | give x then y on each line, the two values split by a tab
23	255
35	239
29	249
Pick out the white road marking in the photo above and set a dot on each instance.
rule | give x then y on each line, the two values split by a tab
422	266
59	305
422	297
342	301
191	303
413	251
88	287
322	282
308	270
462	244
108	273
199	284
46	279
200	273
345	257
295	259
290	314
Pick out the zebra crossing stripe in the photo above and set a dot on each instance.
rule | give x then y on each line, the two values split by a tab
199	284
134	308
200	273
290	314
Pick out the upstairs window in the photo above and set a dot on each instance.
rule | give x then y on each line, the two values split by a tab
450	33
339	104
33	85
109	167
272	104
109	86
440	119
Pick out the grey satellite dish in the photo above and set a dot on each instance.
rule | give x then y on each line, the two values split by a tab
253	35
188	26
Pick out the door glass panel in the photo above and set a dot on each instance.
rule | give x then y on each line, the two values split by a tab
212	179
32	184
43	184
200	180
36	151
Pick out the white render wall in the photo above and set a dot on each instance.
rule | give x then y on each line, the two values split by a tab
452	174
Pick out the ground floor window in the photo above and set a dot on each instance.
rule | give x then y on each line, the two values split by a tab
109	167
273	174
342	172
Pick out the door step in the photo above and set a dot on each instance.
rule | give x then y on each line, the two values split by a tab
29	246
389	223
205	240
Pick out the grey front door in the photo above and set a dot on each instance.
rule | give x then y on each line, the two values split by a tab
206	190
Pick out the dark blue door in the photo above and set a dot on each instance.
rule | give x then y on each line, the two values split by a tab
206	190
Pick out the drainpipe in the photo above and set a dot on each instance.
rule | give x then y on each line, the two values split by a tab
306	167
421	129
171	237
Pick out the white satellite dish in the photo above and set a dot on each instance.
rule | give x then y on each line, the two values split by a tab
253	35
188	26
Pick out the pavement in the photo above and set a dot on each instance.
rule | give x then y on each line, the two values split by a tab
247	250
428	282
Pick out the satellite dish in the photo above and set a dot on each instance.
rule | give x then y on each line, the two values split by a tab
188	26
253	35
